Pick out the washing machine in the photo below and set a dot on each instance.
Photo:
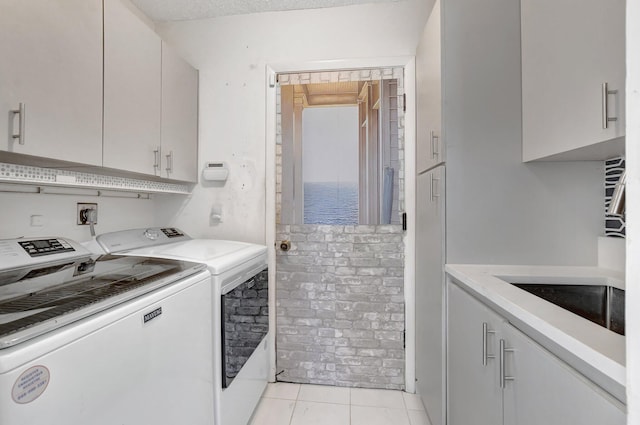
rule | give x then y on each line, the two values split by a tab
88	339
240	308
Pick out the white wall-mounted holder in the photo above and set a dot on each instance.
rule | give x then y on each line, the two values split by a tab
215	171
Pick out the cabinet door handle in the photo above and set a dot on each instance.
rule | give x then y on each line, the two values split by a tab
21	111
432	192
503	375
606	119
434	145
169	162
485	336
156	159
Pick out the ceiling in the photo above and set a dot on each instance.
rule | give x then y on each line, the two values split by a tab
328	94
178	10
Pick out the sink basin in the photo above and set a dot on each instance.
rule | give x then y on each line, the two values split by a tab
601	304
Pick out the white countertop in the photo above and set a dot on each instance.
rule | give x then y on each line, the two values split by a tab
596	352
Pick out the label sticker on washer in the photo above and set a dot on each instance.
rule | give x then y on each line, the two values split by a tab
30	384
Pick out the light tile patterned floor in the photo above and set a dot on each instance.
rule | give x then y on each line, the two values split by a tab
296	404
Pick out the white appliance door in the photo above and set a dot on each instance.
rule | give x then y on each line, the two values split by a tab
147	361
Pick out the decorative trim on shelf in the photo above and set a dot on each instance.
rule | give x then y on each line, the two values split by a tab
614	226
23	174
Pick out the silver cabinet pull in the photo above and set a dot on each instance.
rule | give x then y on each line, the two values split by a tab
156	159
485	336
606	119
21	111
432	191
169	162
435	152
503	376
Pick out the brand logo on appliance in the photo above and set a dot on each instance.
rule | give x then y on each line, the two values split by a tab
152	315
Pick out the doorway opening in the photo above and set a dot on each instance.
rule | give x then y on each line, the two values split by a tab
339	200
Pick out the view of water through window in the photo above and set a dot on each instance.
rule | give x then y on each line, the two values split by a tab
330	165
331	203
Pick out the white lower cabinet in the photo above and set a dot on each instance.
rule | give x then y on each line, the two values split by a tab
474	393
546	390
498	375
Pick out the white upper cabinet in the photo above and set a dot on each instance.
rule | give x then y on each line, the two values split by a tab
179	117
52	64
132	84
429	95
569	51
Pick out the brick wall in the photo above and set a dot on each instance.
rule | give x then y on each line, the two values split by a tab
340	306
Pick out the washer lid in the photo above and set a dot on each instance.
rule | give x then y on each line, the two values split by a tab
39	299
218	255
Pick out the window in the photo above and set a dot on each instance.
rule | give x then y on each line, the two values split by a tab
340	153
330	165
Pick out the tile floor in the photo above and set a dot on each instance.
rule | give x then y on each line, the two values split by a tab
296	404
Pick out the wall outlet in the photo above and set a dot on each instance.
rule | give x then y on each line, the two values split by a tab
37	221
85	210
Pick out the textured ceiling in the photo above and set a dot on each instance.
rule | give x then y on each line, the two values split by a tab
178	10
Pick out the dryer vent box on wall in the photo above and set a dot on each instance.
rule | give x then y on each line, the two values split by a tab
215	171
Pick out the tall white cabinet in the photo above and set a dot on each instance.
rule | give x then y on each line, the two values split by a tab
430	217
52	64
430	370
132	89
569	51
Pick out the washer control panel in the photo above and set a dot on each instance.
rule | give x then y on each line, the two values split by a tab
39	247
26	252
172	232
126	240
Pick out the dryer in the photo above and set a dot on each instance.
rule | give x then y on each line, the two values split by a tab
240	308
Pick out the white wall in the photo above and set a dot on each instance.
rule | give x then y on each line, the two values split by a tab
231	54
498	209
633	210
59	215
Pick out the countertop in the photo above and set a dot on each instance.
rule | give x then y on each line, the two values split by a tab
596	352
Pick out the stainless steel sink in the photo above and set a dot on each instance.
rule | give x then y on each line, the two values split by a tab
601	304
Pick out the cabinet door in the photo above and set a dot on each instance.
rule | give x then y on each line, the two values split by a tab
430	292
428	84
179	117
568	51
545	390
131	91
474	393
52	63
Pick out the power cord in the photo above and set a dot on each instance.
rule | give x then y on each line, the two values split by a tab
89	216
